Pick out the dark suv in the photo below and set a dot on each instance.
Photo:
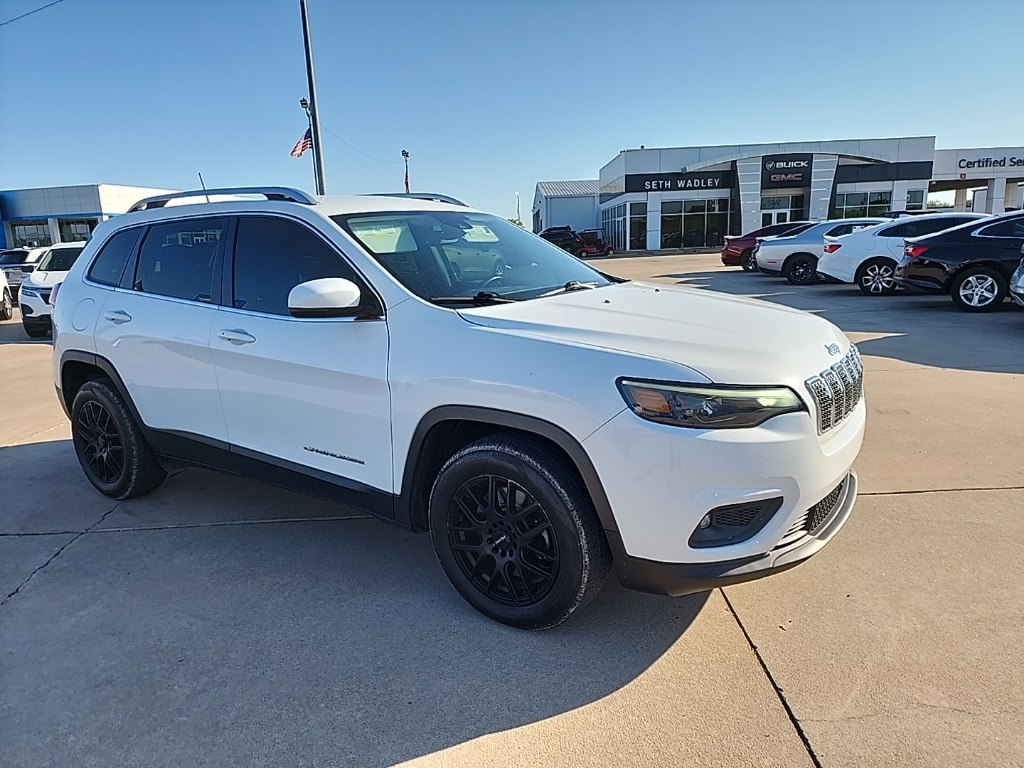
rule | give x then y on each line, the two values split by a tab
565	238
972	263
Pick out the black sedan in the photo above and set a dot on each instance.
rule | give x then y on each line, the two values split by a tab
972	263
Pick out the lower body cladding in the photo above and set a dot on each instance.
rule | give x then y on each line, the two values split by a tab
698	509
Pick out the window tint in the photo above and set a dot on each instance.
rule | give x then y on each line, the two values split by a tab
1013	228
178	259
907	229
109	265
13	257
842	229
274	255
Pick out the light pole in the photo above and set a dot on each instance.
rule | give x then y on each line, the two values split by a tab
310	106
405	156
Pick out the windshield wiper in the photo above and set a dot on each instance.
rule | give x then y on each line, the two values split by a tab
481	297
572	285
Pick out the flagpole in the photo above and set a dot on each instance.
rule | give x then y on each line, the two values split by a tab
318	155
405	156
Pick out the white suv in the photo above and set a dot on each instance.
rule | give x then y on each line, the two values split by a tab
868	256
543	424
34	296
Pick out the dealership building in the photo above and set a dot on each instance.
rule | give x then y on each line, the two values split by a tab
692	197
48	215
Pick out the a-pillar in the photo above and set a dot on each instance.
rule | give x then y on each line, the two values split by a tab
960	200
995	196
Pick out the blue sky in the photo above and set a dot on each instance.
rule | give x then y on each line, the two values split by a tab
489	96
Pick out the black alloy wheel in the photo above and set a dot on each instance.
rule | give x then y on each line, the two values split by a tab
515	532
748	260
502	540
877	277
110	445
801	269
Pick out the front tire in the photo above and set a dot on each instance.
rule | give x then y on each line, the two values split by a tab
978	289
110	445
516	534
6	306
801	269
876	277
748	261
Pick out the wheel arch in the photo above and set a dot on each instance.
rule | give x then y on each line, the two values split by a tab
444	430
995	264
799	253
76	368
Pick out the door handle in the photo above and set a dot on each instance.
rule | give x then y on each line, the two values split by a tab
236	336
117	316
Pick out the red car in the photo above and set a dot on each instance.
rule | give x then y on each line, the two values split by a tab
739	249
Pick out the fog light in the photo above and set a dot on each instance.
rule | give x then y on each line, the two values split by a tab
705	521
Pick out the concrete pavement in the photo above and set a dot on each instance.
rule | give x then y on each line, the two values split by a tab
222	622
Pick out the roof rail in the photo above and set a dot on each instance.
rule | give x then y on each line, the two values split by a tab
433	196
288	194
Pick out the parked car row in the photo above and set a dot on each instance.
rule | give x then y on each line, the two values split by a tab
27	276
971	257
588	242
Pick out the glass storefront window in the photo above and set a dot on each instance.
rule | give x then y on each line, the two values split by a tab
638	232
915	200
694	206
638	209
76	230
31	234
853	205
672	226
672	206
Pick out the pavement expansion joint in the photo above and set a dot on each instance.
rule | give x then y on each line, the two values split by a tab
56	554
944	490
771	679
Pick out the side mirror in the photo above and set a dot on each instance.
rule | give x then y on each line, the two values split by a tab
326	297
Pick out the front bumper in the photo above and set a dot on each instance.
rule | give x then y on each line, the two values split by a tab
34	310
1017	295
676	579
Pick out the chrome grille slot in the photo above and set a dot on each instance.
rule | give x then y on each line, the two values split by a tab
837	390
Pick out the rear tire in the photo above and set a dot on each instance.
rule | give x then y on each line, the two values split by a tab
876	277
110	445
800	269
516	534
6	306
748	261
978	289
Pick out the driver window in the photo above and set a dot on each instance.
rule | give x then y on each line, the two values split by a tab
274	255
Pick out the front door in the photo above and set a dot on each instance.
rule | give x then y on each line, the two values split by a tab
306	393
774	217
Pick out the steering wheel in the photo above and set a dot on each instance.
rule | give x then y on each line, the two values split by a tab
490	281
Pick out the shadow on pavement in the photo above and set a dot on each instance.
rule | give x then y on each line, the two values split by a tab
12	332
928	330
299	642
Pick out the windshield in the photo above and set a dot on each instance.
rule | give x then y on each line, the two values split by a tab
59	259
13	257
447	253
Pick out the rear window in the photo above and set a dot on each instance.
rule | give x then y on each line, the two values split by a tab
13	257
60	259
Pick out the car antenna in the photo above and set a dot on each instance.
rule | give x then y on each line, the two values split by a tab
202	183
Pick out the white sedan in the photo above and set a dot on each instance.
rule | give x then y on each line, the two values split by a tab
868	257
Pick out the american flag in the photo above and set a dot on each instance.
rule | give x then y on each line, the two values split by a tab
306	142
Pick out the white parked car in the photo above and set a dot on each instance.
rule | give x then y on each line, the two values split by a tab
795	257
19	263
544	425
1017	282
34	296
868	256
6	302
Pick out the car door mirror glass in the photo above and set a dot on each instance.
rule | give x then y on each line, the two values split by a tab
325	297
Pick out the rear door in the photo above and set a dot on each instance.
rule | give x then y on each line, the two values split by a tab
155	326
308	394
1004	240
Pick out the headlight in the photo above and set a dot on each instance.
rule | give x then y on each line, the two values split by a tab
708	406
29	292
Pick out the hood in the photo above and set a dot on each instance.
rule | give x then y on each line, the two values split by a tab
730	340
44	279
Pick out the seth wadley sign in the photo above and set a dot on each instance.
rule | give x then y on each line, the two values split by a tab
667	182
